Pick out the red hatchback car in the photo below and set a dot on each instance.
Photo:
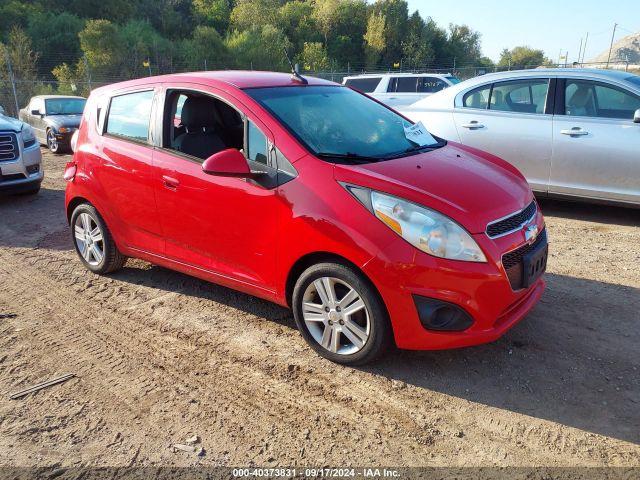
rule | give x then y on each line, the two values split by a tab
311	195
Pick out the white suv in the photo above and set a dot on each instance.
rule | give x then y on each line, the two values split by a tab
400	89
20	158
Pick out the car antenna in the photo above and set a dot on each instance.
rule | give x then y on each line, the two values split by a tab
295	74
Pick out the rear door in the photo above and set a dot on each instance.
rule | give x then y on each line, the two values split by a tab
596	145
126	171
401	91
513	120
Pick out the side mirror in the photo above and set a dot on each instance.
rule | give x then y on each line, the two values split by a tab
636	116
35	112
227	163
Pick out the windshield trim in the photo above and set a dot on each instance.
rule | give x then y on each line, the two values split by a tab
441	142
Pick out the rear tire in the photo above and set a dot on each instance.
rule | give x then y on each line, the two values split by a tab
340	314
93	241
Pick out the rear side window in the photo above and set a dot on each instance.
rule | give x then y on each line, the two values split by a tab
366	85
129	115
431	85
477	98
521	96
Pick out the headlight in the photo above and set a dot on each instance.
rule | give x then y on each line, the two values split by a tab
65	129
425	229
28	136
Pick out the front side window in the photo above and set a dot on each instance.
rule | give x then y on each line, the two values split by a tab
585	98
332	120
366	85
521	96
129	115
431	85
477	98
64	106
256	144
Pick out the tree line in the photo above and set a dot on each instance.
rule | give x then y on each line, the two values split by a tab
75	42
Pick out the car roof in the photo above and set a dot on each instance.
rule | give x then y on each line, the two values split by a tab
398	74
48	97
240	79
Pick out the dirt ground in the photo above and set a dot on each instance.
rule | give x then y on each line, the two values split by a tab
160	356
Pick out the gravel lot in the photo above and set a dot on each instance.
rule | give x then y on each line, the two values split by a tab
161	356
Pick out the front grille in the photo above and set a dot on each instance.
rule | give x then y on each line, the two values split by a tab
13	176
513	222
8	146
512	261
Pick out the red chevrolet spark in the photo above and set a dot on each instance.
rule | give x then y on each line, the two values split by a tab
313	196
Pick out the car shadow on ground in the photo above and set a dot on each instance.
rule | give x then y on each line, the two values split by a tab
609	214
574	360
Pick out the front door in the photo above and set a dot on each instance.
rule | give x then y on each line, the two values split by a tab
510	120
596	143
221	224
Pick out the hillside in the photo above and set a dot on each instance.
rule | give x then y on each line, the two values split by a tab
625	49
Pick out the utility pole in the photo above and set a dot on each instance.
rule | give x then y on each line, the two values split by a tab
13	81
580	50
615	25
584	50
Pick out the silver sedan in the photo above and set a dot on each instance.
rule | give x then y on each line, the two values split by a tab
571	132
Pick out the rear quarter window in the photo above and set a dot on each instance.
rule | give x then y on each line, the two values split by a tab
366	85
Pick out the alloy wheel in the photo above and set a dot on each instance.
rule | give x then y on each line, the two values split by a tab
89	239
336	316
52	143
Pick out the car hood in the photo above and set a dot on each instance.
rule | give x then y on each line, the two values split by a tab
470	186
70	121
8	123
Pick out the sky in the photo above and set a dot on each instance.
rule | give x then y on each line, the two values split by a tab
550	25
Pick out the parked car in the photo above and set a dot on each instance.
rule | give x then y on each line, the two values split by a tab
398	89
54	118
20	158
572	132
308	194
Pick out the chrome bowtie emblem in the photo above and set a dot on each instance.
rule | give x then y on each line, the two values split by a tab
530	233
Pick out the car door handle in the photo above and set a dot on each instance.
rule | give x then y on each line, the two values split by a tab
575	132
473	125
170	182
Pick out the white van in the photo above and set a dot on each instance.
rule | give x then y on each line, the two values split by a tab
400	89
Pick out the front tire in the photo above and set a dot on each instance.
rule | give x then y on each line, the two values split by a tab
340	314
52	142
93	241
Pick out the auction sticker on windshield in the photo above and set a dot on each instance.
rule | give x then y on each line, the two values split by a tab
417	133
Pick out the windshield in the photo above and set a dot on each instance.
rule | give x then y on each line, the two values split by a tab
453	80
337	120
64	106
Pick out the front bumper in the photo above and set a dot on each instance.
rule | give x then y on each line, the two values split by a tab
482	290
24	173
64	138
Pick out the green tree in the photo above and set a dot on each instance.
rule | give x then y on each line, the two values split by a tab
249	14
314	57
260	48
103	47
463	45
396	15
205	47
15	13
215	13
296	20
114	10
72	79
416	48
19	51
522	57
55	37
375	39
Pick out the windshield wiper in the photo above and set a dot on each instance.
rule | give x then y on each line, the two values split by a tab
349	156
416	149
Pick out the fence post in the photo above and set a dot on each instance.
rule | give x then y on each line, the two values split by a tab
88	72
13	81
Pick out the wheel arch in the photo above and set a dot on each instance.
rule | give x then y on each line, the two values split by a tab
73	204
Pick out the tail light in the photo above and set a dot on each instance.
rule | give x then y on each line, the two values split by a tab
70	171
